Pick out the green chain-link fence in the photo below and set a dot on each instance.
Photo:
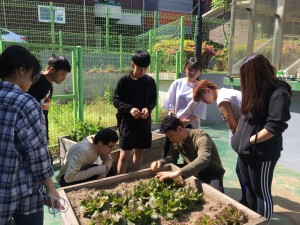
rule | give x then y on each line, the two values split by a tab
108	36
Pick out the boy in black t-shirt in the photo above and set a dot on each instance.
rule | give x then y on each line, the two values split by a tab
56	71
135	98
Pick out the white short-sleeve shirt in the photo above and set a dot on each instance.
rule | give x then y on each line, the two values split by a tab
180	100
235	99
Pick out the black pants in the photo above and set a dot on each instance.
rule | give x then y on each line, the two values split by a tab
213	181
63	183
258	175
167	146
242	184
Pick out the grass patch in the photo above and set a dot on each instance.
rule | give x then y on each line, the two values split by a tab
61	118
100	111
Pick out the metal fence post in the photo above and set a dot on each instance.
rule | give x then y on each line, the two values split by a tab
1	42
157	83
80	83
107	28
150	45
61	51
199	31
52	23
155	25
177	57
150	40
74	85
195	28
181	42
121	52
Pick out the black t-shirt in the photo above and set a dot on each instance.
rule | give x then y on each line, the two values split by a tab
42	91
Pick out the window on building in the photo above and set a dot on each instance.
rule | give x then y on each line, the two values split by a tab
44	14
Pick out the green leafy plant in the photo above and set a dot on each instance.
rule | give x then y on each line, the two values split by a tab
108	93
143	205
229	215
169	48
83	129
224	4
221	60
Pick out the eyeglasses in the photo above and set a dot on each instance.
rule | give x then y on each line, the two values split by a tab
111	147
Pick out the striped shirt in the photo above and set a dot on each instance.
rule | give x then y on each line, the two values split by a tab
24	155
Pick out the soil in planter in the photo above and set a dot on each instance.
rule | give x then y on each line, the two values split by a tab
201	212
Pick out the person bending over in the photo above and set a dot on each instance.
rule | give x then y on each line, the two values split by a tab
198	151
229	102
89	159
56	72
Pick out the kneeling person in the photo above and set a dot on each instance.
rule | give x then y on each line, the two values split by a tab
79	164
198	151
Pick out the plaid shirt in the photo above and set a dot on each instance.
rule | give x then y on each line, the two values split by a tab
24	155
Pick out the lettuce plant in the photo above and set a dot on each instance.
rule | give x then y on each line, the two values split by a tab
141	206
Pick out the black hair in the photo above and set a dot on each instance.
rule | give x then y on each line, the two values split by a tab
105	136
170	123
59	63
193	63
258	81
141	58
16	56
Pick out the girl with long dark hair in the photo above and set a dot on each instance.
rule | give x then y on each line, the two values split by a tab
258	139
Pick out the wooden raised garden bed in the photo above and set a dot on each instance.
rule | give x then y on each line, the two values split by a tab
149	155
213	199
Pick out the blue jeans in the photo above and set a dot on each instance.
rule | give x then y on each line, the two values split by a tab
30	219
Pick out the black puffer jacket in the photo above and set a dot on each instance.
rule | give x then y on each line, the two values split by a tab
275	122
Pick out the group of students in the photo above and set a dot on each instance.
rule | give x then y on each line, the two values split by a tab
256	116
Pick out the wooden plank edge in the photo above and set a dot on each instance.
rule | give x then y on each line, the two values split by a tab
68	217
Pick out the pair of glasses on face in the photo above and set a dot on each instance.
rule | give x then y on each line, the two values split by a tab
110	146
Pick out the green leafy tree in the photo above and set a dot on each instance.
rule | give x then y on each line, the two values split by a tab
224	4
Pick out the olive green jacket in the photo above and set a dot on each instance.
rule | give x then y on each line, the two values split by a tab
199	153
